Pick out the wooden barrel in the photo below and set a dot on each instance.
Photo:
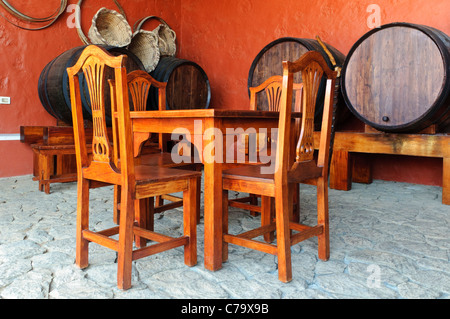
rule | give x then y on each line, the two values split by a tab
396	78
269	60
53	84
187	85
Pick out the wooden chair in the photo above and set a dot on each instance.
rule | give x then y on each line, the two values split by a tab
139	84
295	163
272	89
113	164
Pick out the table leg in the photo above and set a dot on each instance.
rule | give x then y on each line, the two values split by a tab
212	201
213	215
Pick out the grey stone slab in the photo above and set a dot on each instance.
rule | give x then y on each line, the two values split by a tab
388	240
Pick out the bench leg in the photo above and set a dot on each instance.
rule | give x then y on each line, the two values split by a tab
446	181
362	168
45	171
341	171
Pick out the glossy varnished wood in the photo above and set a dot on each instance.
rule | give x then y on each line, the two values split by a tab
271	87
289	169
140	84
110	166
167	121
268	62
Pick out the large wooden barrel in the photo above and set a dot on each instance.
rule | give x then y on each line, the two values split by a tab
53	84
187	84
269	60
396	78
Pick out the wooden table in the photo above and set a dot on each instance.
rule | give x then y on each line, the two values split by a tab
197	122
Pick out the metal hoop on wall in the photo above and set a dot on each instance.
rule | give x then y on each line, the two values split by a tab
21	16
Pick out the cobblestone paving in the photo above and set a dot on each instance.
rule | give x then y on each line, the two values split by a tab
388	240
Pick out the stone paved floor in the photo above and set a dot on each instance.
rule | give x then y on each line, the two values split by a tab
388	240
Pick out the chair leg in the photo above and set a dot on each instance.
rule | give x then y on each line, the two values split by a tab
283	212
151	214
116	211
142	211
82	249
124	261
224	224
322	218
267	216
198	193
296	204
253	201
190	222
159	201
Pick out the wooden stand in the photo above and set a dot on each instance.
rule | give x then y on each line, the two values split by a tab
346	143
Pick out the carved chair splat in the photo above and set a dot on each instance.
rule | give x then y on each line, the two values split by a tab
113	164
139	84
272	88
290	170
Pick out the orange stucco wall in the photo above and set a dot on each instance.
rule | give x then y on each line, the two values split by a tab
23	55
222	36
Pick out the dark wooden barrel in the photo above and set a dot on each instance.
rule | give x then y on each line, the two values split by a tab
269	60
53	84
396	78
187	85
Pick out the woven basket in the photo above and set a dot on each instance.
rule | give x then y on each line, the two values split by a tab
111	28
144	44
166	36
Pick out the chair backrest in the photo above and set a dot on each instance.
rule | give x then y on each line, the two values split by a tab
313	68
103	166
272	88
139	83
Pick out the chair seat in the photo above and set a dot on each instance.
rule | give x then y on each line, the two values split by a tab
249	179
300	172
296	162
162	159
155	174
249	173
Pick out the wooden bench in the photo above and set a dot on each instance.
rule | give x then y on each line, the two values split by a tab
53	153
54	159
343	171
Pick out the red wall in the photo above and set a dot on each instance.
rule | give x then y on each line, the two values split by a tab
225	36
222	36
23	55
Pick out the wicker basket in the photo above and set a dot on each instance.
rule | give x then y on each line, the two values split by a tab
111	28
144	44
166	36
